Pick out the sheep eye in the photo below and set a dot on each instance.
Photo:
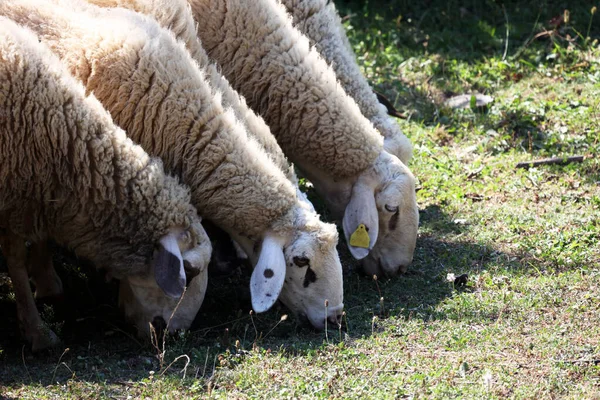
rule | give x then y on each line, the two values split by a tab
301	261
391	209
186	237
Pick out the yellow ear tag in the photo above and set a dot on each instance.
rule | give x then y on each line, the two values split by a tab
360	237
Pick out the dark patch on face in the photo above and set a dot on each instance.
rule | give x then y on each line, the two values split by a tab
394	221
309	277
301	261
268	273
268	294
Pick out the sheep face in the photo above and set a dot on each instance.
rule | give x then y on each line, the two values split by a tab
313	287
397	218
378	210
301	268
154	297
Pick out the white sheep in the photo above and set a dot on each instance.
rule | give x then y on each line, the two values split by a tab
154	90
176	16
70	174
318	126
320	22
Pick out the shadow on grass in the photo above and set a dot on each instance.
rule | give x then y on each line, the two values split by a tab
103	350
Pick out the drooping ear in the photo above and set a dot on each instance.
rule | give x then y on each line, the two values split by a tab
268	275
168	267
361	221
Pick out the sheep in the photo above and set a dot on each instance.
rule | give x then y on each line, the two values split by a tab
318	126
153	89
176	15
70	174
320	22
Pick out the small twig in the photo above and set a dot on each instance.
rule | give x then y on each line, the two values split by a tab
283	318
381	367
254	325
507	33
24	364
595	361
553	160
58	363
184	370
205	362
171	317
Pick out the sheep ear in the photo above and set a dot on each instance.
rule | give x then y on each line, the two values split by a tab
268	275
361	221
168	267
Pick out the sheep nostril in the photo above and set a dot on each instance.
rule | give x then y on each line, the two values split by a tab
402	268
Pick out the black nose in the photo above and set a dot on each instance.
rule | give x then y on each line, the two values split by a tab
402	268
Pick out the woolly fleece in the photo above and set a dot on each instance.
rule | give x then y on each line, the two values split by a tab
270	62
129	68
320	22
69	173
176	15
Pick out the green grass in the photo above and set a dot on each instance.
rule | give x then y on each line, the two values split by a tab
526	325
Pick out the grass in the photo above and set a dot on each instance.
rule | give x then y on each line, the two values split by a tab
526	324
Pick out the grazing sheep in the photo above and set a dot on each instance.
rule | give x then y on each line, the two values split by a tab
154	90
317	125
176	16
70	174
319	21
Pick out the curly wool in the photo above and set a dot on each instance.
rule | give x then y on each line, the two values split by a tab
68	172
271	63
176	15
129	68
320	22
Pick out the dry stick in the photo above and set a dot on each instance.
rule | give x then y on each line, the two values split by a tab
58	363
283	318
206	361
326	314
184	370
24	364
594	361
553	160
507	33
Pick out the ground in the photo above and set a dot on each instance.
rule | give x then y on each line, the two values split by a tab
527	322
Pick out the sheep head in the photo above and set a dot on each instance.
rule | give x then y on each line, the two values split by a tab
386	193
298	264
378	210
178	269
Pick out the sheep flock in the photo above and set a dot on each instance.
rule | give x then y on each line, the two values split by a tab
152	136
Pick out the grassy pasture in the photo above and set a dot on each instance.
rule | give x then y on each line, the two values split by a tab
527	322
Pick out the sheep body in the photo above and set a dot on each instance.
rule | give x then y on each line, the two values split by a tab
70	174
320	22
155	90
